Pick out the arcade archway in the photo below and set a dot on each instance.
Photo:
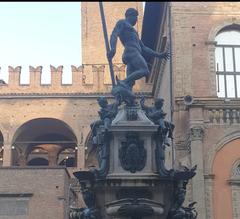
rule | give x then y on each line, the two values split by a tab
43	139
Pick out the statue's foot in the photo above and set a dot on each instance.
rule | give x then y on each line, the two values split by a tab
123	92
123	83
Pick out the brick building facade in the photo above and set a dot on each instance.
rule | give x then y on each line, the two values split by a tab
203	95
45	128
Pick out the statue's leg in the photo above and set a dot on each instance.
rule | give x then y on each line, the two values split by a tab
129	71
139	65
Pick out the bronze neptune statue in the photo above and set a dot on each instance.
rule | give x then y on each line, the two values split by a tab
133	50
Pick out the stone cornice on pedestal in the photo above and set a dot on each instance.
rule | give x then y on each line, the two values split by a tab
142	124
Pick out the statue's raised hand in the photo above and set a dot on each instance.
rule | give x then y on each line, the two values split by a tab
165	55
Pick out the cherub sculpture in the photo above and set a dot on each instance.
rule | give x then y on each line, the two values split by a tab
157	116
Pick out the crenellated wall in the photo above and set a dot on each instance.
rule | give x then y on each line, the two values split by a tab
85	79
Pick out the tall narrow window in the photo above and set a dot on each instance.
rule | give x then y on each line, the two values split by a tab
227	58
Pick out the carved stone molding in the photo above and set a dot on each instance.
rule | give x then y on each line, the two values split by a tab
98	68
119	67
211	43
58	69
234	182
37	69
196	133
209	176
132	113
16	69
75	69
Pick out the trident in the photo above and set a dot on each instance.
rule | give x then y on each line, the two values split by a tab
106	42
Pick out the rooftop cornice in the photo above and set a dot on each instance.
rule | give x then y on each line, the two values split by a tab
64	95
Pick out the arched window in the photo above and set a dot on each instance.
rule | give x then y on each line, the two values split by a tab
227	57
236	170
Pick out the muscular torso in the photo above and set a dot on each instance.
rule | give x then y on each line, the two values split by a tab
128	35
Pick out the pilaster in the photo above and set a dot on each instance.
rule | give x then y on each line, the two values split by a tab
81	151
198	187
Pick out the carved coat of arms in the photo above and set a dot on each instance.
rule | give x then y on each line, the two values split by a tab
132	153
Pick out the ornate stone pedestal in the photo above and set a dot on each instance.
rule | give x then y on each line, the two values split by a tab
132	187
132	181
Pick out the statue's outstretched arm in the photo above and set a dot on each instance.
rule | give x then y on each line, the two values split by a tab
163	55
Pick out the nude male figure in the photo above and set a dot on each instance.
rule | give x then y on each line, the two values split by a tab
133	49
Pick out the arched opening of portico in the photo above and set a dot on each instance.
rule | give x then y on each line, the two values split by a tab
41	141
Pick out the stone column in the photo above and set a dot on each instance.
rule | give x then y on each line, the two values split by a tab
81	150
198	191
52	158
7	155
81	157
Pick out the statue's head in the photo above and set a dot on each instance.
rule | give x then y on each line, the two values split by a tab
131	15
159	103
102	101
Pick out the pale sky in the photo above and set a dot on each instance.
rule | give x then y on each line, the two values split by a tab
40	34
